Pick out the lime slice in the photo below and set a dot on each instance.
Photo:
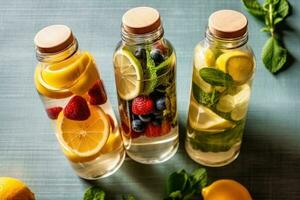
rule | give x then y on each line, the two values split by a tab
129	74
226	103
239	112
203	119
238	64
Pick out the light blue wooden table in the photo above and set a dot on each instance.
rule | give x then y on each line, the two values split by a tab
269	163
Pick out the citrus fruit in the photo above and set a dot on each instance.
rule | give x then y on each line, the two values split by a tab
241	99
129	74
114	142
87	79
238	64
204	57
226	103
203	119
46	90
64	74
225	189
206	87
14	189
84	138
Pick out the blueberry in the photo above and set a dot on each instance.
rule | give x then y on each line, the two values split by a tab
137	126
145	118
140	53
157	56
160	104
134	117
157	118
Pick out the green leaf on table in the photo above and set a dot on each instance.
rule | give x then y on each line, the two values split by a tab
254	8
282	10
216	77
265	29
129	197
94	193
177	181
199	176
273	55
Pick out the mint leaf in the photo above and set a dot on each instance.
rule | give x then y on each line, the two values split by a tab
215	77
94	193
199	176
177	181
129	197
282	10
254	8
273	55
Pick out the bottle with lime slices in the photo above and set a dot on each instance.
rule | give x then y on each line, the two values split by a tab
223	70
69	84
144	64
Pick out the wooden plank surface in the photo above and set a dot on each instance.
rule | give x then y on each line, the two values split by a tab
269	163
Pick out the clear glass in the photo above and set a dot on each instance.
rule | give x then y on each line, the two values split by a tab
145	74
223	71
91	142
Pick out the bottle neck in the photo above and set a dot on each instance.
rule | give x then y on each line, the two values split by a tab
225	43
147	38
58	56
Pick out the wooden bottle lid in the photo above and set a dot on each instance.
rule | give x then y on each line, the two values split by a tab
227	24
54	38
141	20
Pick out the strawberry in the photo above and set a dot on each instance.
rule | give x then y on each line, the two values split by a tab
53	112
142	105
135	134
153	130
97	94
165	127
77	109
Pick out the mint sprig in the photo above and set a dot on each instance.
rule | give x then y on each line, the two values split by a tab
272	12
94	193
184	186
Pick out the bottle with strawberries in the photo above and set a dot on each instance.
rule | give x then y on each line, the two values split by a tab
144	64
75	101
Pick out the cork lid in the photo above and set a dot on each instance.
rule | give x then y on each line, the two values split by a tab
227	24
54	38
141	20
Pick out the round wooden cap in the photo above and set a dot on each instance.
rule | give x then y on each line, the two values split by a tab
141	20
227	24
54	38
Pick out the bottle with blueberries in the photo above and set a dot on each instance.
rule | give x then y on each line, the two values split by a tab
145	66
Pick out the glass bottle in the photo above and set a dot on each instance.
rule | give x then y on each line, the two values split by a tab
145	65
223	71
73	94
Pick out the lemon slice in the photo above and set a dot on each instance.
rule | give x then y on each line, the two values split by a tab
46	90
226	189
226	103
87	78
129	74
64	74
203	119
84	138
241	99
206	87
203	57
238	64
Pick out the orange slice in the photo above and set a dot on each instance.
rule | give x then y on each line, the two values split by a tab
83	138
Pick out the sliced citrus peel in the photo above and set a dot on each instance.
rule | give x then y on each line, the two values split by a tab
238	64
129	74
83	138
